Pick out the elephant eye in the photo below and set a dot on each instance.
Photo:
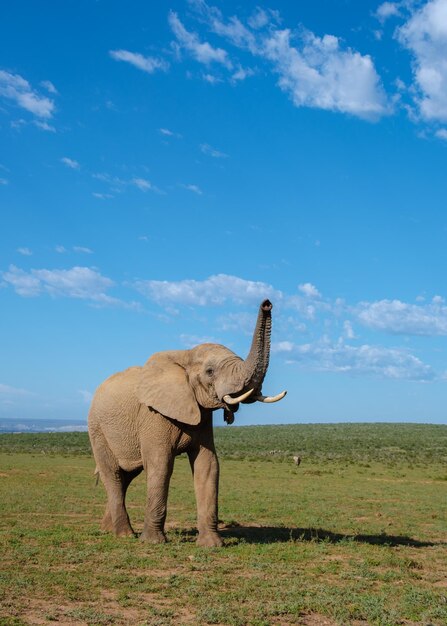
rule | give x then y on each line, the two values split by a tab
209	371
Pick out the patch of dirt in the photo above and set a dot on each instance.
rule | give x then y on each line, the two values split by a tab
315	620
106	611
158	573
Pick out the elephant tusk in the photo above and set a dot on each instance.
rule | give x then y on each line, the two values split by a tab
277	398
229	400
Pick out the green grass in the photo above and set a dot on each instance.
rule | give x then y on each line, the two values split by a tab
355	535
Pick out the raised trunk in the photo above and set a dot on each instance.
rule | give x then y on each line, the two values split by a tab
257	360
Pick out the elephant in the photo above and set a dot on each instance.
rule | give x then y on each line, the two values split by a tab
143	417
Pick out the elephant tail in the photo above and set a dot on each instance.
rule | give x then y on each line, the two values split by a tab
96	473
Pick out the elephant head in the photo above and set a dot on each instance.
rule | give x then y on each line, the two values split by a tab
180	383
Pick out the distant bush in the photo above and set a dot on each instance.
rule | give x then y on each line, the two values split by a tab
411	444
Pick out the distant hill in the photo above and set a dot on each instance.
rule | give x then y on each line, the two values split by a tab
41	426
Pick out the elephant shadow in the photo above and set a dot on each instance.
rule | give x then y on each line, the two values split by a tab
279	534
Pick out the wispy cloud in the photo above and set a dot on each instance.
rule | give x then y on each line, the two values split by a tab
142	184
194	188
7	390
211	79
15	88
86	395
71	163
82	250
118	185
148	64
48	85
102	196
25	251
242	73
169	133
210	151
48	128
327	356
4	181
262	17
203	52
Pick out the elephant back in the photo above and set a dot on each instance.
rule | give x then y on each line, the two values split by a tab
115	402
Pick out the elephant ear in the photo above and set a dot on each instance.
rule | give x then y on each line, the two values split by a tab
164	386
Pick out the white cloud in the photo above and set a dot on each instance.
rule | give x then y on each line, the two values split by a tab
242	73
233	29
315	72
194	188
394	363
86	395
213	291
399	317
309	290
82	250
48	85
60	249
441	133
169	133
211	79
118	185
240	322
44	126
386	10
24	251
189	341
7	390
321	74
425	35
348	330
102	196
78	282
145	63
15	88
71	163
259	18
110	180
309	303
209	150
203	52
141	183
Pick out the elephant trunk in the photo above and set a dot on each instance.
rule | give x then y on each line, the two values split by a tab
256	363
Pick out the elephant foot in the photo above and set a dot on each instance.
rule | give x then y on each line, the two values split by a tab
209	540
153	536
123	529
125	532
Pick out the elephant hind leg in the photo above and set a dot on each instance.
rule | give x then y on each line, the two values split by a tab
116	482
107	522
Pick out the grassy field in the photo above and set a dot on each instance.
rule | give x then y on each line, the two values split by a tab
357	534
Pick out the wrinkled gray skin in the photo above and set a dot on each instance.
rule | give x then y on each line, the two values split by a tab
143	417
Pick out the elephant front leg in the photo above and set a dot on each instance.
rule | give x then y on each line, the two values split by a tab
205	468
158	476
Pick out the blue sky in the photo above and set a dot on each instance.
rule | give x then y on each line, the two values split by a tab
166	166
